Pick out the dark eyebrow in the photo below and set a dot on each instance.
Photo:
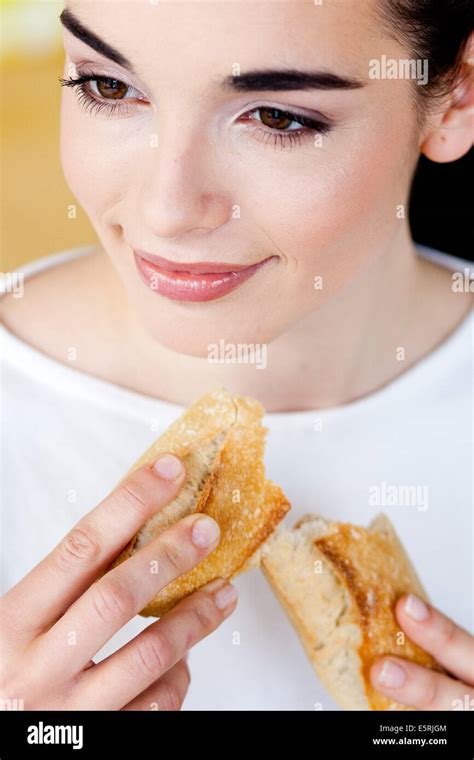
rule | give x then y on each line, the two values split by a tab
73	25
252	81
289	79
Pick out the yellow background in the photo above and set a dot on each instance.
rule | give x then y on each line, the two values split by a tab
34	196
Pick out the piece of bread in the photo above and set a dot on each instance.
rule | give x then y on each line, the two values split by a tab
221	440
338	584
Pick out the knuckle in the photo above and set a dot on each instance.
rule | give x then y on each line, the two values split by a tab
205	613
430	693
113	599
152	655
169	698
134	495
80	546
446	633
173	557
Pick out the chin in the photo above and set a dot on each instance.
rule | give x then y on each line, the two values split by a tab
205	341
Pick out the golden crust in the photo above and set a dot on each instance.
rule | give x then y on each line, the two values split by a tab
374	567
338	584
193	501
234	492
237	501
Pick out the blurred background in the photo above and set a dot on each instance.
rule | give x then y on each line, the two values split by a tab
35	197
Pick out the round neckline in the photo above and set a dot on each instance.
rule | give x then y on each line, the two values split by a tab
103	392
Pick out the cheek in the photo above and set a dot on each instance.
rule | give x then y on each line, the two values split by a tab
77	154
94	171
340	209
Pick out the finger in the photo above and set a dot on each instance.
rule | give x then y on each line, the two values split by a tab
167	693
43	595
122	593
125	674
450	645
418	687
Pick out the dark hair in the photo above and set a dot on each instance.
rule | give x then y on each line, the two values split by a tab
436	31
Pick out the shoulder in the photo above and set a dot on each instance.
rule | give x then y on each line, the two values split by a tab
41	296
54	303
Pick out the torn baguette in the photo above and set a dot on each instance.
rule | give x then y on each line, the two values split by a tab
221	441
339	583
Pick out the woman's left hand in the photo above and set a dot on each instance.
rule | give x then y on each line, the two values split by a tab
450	645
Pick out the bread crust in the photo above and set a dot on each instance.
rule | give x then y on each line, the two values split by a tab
228	484
339	584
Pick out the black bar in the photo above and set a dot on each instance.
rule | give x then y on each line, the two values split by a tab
138	734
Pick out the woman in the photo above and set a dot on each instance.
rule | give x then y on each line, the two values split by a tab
247	168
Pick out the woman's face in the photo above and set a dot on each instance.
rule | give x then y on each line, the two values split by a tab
186	157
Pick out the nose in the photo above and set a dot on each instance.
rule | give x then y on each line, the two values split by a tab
181	189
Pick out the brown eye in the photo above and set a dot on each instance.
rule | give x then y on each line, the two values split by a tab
112	89
274	118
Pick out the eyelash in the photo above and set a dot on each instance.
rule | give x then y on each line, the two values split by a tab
310	127
87	101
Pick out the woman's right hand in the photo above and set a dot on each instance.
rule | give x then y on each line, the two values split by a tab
59	615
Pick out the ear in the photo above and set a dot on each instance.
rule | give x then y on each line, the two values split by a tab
451	136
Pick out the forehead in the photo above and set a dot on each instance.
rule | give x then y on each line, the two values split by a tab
201	41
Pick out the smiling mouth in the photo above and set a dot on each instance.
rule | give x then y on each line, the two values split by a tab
202	281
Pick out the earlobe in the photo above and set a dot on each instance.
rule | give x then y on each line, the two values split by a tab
453	137
450	141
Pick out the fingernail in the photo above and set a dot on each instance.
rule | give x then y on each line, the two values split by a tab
416	608
392	675
225	597
205	532
214	585
168	467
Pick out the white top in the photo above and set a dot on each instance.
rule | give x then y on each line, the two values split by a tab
70	438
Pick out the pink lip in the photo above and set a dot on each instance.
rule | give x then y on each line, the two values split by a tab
202	281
